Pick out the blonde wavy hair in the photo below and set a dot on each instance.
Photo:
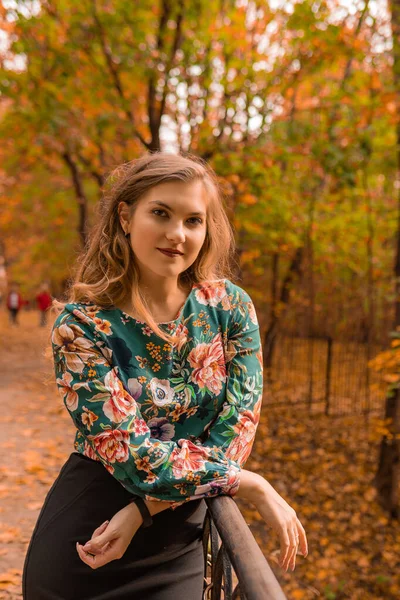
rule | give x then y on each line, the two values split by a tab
107	266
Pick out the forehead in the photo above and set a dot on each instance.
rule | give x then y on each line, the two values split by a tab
179	195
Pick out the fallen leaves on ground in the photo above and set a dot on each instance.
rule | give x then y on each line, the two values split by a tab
322	466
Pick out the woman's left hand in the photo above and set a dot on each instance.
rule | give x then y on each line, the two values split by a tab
110	540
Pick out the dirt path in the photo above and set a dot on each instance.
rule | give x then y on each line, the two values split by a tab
36	436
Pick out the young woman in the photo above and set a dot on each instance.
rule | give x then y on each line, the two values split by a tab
158	360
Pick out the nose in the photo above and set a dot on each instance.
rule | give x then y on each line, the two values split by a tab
175	233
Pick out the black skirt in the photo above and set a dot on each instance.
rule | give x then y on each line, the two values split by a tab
163	561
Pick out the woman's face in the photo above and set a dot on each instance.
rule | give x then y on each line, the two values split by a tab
171	215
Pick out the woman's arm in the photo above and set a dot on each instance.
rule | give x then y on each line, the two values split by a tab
110	541
234	427
112	428
277	514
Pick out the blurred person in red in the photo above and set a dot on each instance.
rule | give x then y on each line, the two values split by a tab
14	303
44	301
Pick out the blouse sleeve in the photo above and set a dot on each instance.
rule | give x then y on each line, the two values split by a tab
114	432
234	428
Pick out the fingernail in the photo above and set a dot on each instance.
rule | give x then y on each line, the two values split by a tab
105	523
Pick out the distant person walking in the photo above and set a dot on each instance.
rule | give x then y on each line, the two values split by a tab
44	302
14	303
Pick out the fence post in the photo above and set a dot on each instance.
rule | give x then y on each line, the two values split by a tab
328	374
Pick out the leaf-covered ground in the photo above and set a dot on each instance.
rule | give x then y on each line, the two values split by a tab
322	466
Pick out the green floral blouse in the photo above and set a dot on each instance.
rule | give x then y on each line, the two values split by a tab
168	422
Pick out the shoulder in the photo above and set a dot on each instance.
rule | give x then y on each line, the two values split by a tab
229	298
82	318
241	305
238	294
73	312
220	291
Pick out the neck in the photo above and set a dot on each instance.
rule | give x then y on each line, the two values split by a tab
166	299
161	294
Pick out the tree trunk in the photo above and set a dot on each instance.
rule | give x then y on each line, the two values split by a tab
271	333
80	196
387	476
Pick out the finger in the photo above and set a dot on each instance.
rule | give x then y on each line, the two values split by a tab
94	549
100	530
295	545
285	546
291	550
302	539
97	544
86	558
96	561
92	560
96	533
97	551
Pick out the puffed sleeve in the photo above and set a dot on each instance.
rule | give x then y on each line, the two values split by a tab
114	432
234	428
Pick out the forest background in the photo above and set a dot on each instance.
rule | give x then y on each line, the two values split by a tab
295	106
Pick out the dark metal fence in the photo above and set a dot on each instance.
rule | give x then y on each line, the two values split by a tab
325	375
235	568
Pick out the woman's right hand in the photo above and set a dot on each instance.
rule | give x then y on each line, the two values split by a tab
277	514
110	540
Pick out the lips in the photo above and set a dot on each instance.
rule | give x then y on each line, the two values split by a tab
169	253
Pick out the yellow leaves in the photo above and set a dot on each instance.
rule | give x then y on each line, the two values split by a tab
9	534
363	562
322	574
33	462
391	377
252	227
299	594
382	427
249	256
11	577
370	494
34	505
324	541
234	179
237	223
248	199
335	502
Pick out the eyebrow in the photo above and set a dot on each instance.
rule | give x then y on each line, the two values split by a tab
201	214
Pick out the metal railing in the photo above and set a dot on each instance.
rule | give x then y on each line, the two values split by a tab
231	552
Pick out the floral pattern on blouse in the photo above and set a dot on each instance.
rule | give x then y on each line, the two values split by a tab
171	423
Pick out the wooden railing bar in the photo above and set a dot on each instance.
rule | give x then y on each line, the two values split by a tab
256	578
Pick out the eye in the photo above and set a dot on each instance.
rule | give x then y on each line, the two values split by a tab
157	210
195	219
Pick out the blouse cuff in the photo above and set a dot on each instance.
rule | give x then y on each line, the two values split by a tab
221	486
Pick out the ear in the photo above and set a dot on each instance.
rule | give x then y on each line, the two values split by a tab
123	213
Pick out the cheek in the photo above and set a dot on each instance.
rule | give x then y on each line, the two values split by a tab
195	241
144	230
201	238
